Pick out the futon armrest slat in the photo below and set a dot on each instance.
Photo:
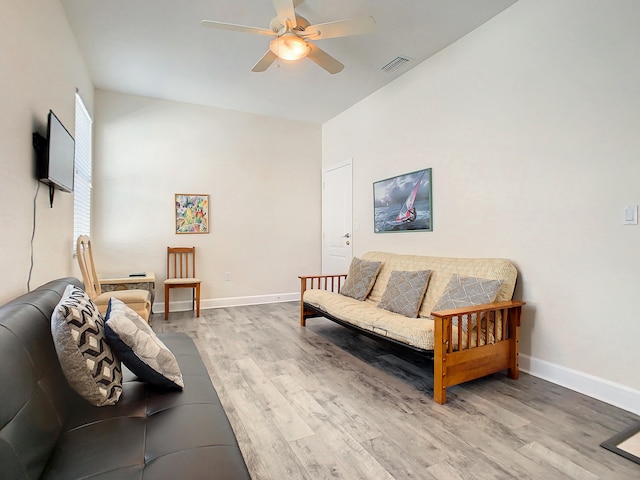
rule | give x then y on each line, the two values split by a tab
323	276
487	307
332	283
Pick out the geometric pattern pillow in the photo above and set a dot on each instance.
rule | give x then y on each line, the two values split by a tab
360	279
404	292
86	358
139	348
464	291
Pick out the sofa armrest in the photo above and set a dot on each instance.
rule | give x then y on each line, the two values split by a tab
487	307
485	321
332	283
460	360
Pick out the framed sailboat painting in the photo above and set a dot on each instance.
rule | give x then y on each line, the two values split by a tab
403	203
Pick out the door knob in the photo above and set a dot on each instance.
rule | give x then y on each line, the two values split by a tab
347	235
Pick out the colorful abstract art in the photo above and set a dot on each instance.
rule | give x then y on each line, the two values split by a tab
192	213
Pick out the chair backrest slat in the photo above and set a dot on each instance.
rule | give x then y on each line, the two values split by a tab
87	267
181	262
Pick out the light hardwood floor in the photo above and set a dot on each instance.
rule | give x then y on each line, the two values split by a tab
322	402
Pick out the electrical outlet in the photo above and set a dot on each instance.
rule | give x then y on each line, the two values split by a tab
227	276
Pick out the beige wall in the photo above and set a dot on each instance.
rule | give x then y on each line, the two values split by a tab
530	124
40	68
263	176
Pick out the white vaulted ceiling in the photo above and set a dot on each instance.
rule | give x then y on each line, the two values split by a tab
157	48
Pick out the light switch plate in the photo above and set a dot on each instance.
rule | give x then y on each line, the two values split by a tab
630	215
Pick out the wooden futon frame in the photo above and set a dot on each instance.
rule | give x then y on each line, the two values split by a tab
451	365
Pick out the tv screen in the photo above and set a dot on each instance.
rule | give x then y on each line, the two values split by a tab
57	163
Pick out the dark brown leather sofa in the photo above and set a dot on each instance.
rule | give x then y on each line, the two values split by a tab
48	431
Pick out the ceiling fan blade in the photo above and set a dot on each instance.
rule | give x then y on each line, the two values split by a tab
341	28
237	28
265	62
323	59
286	11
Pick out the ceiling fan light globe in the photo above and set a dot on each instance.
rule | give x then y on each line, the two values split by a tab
289	47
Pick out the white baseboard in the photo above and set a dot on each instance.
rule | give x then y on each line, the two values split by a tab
185	305
609	392
254	300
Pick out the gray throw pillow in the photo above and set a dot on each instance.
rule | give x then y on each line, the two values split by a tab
360	279
139	348
404	292
87	361
464	291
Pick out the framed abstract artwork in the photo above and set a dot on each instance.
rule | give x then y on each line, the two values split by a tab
403	203
192	213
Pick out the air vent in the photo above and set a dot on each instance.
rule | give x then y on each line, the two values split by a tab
396	64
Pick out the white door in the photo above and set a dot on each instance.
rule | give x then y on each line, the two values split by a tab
337	241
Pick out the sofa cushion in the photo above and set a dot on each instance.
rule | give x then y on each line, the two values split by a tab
138	347
405	291
464	291
360	279
86	358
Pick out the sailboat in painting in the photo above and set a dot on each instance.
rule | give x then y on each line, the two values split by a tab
408	212
403	203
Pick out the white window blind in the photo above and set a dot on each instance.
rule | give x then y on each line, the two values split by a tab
82	176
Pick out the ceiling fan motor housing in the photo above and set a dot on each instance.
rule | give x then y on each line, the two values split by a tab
279	27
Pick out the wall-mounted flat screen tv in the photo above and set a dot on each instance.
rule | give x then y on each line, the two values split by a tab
56	155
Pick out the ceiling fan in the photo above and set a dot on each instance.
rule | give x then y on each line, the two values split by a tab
293	32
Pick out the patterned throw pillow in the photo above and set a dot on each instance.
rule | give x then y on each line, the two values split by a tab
139	348
466	292
362	274
86	359
404	292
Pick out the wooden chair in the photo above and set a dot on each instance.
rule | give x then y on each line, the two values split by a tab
138	300
181	273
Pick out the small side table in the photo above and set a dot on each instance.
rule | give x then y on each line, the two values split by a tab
112	283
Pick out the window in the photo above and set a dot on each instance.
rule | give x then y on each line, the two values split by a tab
82	176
